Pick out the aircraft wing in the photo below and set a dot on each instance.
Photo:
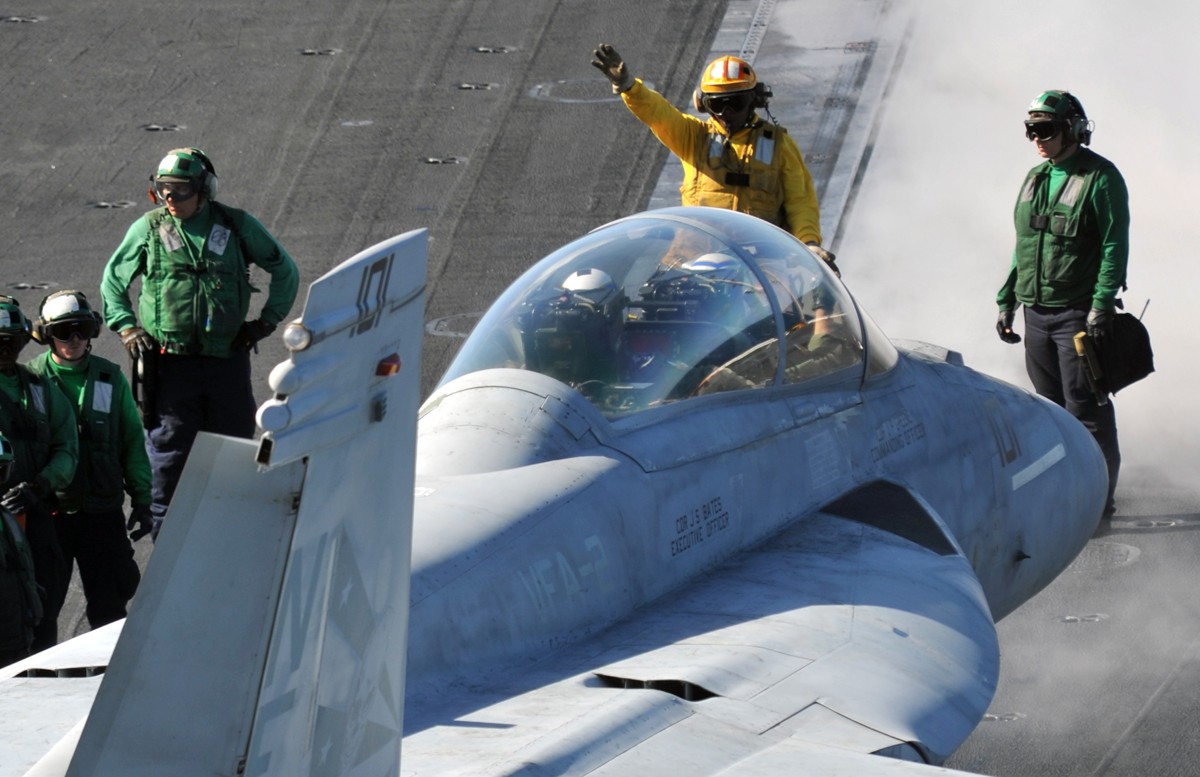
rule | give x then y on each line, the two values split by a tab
759	669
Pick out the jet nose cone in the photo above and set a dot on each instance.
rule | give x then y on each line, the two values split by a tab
1090	471
1071	501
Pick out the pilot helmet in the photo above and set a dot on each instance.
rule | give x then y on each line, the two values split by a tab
588	280
572	332
716	265
598	300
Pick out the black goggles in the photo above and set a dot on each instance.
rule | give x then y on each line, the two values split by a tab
177	191
1042	129
63	331
719	104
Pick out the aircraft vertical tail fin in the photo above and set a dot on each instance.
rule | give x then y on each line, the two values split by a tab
269	633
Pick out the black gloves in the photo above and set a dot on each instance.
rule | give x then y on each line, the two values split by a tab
609	62
250	333
1004	324
139	516
826	256
27	496
137	341
1099	325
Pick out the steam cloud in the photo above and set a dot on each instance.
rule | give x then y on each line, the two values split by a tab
930	238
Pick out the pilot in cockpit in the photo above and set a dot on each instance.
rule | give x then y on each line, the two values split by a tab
826	347
688	317
572	332
714	287
817	339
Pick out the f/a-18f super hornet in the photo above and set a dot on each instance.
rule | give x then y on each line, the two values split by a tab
679	506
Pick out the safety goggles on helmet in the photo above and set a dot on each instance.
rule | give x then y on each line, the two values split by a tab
1042	129
735	102
63	331
177	191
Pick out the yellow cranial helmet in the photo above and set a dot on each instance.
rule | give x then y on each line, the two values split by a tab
728	74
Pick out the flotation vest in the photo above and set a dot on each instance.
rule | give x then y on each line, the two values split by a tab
745	174
1058	249
99	478
195	305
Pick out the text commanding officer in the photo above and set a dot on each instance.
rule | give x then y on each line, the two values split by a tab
193	256
734	160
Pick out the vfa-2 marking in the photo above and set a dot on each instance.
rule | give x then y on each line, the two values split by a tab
553	579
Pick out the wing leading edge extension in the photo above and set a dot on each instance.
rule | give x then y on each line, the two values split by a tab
767	656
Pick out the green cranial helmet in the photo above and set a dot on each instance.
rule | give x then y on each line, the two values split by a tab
188	164
12	320
1065	110
65	311
182	164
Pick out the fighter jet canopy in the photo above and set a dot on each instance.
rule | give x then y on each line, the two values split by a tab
671	304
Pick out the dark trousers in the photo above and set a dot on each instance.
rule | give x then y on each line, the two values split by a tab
194	394
48	569
1058	374
15	630
97	542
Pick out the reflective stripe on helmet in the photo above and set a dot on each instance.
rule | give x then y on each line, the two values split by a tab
728	74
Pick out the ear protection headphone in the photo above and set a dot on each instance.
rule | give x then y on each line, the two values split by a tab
1078	126
41	332
207	180
761	96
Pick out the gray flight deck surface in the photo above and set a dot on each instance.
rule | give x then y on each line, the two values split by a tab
339	125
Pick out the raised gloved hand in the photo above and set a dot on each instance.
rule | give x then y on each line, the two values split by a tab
26	496
609	62
1099	324
826	256
137	341
1004	326
250	333
139	516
